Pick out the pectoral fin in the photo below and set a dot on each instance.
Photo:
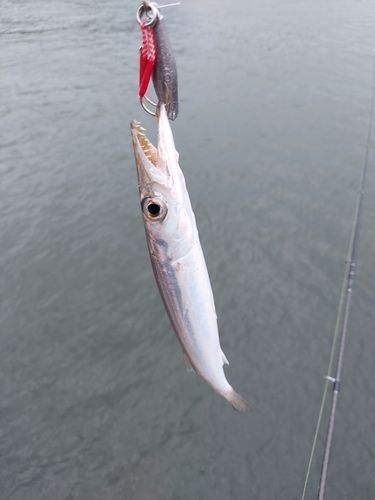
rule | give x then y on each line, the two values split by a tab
189	366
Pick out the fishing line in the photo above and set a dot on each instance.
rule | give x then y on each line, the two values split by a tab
342	318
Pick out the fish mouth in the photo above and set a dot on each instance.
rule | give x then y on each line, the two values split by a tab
155	165
150	171
141	142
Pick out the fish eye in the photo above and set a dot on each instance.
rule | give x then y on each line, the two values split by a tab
154	208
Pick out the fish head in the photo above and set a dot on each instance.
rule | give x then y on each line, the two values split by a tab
164	199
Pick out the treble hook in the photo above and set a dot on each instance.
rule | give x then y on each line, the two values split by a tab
151	11
145	107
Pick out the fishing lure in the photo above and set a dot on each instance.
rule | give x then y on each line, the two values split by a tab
157	60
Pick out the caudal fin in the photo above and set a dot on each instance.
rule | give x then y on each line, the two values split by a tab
237	401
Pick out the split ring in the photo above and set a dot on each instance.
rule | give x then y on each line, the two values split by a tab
145	7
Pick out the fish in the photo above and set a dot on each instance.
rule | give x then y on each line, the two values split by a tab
177	258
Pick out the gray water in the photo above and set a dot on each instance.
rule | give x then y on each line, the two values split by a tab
274	104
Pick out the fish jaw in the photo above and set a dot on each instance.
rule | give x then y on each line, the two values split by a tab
167	155
145	155
158	166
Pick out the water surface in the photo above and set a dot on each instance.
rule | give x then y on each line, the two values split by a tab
95	401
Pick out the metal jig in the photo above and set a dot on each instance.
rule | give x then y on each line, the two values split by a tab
164	74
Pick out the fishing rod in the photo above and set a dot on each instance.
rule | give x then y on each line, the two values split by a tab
343	315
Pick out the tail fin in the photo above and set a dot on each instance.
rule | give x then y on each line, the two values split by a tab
237	401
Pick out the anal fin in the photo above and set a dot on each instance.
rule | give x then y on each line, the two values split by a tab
224	358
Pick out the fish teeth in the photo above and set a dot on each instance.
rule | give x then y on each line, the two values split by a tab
137	125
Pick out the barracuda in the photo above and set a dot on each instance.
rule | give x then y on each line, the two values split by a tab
177	258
